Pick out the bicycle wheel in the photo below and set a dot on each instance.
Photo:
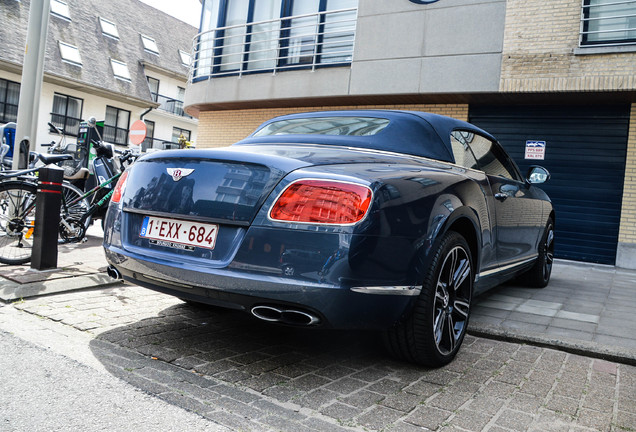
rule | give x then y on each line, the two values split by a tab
72	209
17	222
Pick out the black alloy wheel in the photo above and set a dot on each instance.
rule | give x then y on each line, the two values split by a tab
539	275
433	333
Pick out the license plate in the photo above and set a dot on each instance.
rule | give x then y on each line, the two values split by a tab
179	233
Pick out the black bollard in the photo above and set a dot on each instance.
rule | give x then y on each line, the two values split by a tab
47	218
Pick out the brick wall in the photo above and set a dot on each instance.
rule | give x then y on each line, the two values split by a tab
627	232
538	53
222	128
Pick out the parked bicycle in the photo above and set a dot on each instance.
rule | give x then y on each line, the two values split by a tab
18	196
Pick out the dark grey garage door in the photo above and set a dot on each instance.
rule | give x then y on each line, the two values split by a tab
585	153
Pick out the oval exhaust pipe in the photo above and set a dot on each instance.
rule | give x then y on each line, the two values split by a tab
284	315
113	272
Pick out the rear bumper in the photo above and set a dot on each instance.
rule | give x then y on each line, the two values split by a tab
335	306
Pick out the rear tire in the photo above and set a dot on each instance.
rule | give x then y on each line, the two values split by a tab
433	333
539	275
73	231
17	222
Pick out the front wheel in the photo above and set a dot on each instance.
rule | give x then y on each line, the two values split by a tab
433	333
17	222
539	275
72	209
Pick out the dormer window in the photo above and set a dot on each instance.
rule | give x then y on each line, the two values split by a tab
120	70
108	28
60	9
149	44
70	53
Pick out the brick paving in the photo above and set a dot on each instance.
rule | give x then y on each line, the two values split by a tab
248	375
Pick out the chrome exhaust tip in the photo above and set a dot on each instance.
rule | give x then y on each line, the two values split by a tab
284	316
114	273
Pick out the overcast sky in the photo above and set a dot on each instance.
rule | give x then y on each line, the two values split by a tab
185	10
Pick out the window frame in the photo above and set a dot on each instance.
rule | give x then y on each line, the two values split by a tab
181	131
497	152
185	55
64	125
584	41
107	33
117	65
115	127
146	41
62	11
64	48
150	135
153	95
3	102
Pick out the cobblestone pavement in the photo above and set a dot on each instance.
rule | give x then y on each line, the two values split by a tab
246	375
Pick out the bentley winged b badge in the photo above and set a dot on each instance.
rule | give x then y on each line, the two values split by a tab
179	173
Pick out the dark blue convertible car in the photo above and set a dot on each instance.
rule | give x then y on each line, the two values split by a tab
384	220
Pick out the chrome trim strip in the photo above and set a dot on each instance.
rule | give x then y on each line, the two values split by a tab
507	267
389	290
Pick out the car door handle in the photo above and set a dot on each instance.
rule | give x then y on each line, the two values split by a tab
501	196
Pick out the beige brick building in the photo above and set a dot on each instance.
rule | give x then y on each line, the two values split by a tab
563	72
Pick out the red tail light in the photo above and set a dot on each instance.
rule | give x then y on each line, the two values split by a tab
119	188
322	202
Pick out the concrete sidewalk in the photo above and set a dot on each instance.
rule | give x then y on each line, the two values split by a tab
586	309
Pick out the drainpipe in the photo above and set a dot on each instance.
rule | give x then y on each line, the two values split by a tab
141	117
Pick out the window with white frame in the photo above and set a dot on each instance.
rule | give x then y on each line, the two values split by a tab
60	9
185	58
108	28
70	53
120	69
608	22
149	44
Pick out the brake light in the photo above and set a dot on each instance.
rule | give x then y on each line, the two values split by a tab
322	202
118	192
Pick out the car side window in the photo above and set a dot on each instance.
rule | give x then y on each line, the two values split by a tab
491	158
461	150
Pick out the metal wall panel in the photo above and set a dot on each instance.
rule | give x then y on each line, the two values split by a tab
585	153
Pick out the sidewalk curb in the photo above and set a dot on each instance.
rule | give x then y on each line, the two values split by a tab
12	291
589	349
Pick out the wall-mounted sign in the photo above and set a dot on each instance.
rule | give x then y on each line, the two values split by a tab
535	150
423	1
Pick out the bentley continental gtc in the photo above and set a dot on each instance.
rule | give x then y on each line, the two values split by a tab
381	220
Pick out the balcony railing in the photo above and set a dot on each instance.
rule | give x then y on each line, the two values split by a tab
171	105
301	41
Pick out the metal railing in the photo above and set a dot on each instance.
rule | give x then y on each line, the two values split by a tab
608	24
300	41
171	105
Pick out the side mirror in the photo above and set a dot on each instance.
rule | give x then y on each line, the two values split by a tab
537	175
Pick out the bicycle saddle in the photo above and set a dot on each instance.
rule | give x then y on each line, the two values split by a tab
54	158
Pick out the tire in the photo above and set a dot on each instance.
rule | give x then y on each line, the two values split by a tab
17	221
433	333
539	275
71	230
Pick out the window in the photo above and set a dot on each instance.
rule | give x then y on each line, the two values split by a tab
153	84
491	159
116	125
70	53
352	126
177	132
149	44
608	22
108	28
67	113
265	35
60	9
150	135
9	97
185	58
120	70
461	150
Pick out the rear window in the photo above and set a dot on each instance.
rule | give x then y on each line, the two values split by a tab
351	126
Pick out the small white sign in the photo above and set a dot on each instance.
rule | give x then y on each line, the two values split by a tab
535	150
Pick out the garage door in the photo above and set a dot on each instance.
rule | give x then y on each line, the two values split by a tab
585	153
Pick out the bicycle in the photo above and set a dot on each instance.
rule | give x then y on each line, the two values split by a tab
17	206
18	191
